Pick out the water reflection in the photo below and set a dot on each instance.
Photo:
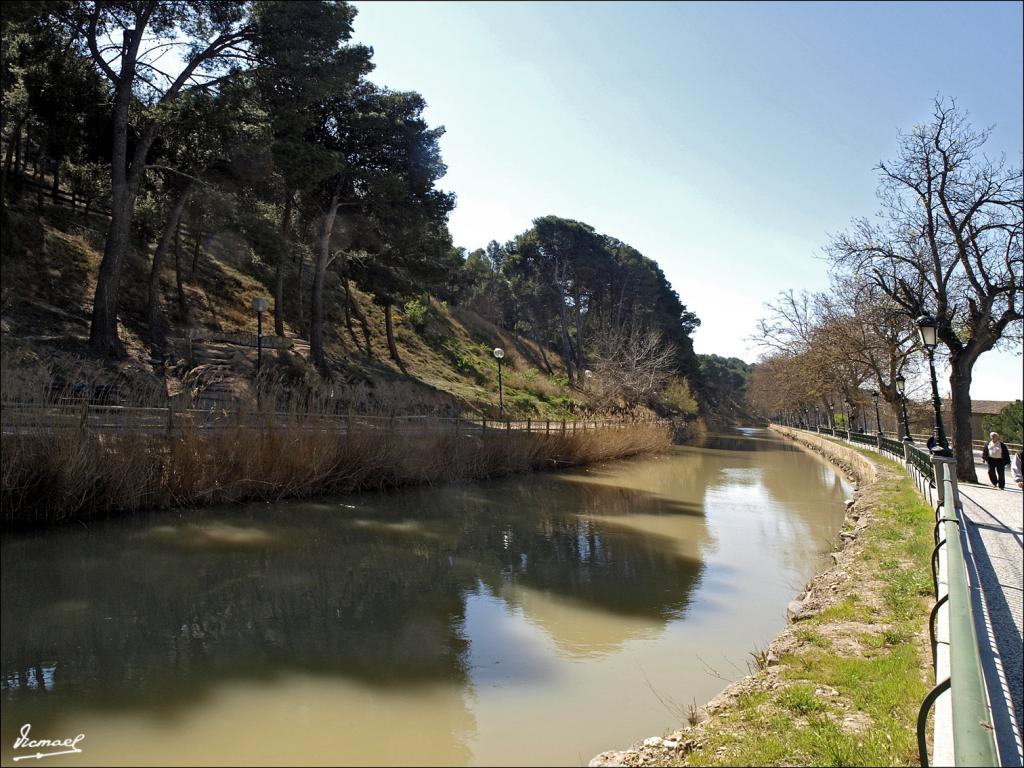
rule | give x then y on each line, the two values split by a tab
408	601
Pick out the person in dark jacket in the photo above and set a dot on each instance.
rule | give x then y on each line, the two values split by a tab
997	456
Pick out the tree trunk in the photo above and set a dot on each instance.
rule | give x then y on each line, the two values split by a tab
580	362
300	295
960	397
365	325
348	311
9	157
40	187
540	346
103	331
196	243
55	188
323	259
392	347
279	273
566	348
178	279
125	180
157	337
85	211
19	155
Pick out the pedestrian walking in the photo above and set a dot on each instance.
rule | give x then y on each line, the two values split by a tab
1018	468
997	456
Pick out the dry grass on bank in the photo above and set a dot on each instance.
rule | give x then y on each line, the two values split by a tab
49	476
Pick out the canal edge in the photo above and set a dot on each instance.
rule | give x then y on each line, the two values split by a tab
828	591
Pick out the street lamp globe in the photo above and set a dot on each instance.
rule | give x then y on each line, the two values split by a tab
499	353
901	384
259	305
928	329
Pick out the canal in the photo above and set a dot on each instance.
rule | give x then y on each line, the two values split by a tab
538	619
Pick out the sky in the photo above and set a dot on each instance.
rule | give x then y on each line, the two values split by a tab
726	141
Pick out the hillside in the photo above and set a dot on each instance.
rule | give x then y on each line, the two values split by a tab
50	260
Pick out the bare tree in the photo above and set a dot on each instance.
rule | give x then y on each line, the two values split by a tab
630	361
871	331
947	243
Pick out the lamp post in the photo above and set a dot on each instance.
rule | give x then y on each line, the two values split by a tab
928	329
878	416
849	418
499	353
901	389
259	306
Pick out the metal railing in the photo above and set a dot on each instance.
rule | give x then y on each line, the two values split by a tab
972	730
957	662
863	439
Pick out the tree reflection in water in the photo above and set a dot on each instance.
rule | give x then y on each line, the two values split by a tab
372	588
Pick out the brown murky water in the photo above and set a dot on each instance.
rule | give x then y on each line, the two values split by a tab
534	620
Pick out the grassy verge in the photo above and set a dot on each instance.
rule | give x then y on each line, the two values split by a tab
50	476
842	684
848	689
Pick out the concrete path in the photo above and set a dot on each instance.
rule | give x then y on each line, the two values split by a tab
995	534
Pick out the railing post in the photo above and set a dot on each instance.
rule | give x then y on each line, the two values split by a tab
937	463
528	426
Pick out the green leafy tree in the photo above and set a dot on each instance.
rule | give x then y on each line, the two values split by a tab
1009	422
309	61
212	42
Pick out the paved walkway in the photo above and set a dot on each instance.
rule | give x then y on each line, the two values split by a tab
995	533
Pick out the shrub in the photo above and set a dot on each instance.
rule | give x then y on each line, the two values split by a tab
678	396
416	313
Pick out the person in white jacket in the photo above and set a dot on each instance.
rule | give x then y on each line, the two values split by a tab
1018	468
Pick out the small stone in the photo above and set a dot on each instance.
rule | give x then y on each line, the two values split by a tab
608	759
653	741
850	503
848	535
797	611
667	744
826	690
772	658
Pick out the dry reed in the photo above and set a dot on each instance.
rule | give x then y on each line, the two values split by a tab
74	472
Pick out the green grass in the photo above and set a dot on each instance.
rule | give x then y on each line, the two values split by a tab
880	686
800	700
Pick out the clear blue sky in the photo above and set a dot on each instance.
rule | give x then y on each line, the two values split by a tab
723	140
